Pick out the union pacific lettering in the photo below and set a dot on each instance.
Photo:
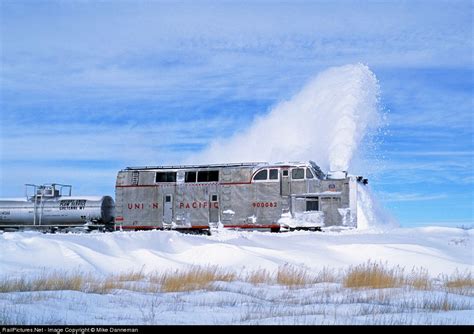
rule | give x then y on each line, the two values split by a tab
199	205
141	206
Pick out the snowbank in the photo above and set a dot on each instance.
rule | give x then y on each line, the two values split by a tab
438	249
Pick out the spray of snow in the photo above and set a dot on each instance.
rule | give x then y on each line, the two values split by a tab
324	122
370	214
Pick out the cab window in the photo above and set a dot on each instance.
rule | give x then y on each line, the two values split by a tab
297	174
273	174
262	175
309	174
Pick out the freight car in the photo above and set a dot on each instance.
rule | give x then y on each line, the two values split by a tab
51	206
257	196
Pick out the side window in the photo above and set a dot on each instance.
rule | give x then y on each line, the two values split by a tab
203	176
208	176
190	177
262	175
273	174
297	174
213	176
285	172
312	205
165	177
309	174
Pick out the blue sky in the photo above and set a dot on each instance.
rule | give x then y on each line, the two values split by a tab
90	87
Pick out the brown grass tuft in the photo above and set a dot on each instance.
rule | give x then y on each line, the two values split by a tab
45	282
130	276
373	275
460	283
419	279
293	276
459	280
196	278
259	276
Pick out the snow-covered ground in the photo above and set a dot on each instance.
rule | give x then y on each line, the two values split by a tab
440	250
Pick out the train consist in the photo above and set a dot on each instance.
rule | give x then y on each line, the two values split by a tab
197	198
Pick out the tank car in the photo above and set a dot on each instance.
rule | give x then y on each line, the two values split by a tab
51	207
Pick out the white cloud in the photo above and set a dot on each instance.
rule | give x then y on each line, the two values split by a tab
146	143
410	197
119	45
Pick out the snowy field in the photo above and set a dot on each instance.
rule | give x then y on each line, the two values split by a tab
251	290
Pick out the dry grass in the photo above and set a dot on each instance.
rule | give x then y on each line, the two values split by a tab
368	275
77	281
45	282
459	280
326	275
130	276
435	302
259	276
419	279
293	277
445	303
460	283
195	278
304	301
373	275
104	286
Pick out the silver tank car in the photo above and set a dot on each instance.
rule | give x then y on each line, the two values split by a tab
51	206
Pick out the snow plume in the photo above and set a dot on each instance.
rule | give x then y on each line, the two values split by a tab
370	214
324	122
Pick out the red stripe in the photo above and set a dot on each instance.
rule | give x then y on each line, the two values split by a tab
119	219
144	227
150	227
172	185
136	186
252	226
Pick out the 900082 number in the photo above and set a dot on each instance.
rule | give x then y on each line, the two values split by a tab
264	204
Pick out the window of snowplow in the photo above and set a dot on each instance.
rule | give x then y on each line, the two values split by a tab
312	205
273	174
297	174
261	175
208	176
165	177
190	177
